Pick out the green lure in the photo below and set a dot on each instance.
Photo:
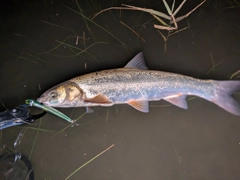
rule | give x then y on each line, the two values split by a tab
49	110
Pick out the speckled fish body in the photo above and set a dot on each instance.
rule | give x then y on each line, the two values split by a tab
136	85
124	85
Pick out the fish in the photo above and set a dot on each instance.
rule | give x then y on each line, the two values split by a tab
136	85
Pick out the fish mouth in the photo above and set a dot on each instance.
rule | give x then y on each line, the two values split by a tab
45	101
40	100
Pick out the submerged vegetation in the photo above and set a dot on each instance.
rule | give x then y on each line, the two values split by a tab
159	16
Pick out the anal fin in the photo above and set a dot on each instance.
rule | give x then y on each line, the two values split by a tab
142	106
178	100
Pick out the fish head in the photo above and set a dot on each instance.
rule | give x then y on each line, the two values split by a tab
66	94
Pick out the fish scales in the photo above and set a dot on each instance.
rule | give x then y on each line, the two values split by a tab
123	84
136	85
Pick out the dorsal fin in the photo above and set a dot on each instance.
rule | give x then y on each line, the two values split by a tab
137	62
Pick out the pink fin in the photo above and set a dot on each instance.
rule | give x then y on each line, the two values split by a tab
99	99
223	96
140	105
178	100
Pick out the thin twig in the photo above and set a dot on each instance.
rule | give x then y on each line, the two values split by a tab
165	40
133	31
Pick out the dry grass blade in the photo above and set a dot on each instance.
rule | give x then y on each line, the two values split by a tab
90	20
39	129
213	64
80	50
173	4
167	7
151	11
235	74
21	57
179	7
39	59
54	25
159	19
111	8
166	38
89	161
35	139
107	115
16	34
175	23
238	3
70	125
167	27
134	8
157	14
175	32
186	15
54	47
86	23
133	31
213	68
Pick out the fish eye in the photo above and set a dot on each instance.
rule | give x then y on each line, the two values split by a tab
53	94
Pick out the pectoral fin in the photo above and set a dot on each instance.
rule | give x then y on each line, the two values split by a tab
99	99
178	100
142	106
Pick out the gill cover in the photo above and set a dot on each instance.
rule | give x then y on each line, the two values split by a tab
63	95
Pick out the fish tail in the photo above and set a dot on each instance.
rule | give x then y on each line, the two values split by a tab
223	96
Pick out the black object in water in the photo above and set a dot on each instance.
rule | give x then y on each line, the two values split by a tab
12	169
15	166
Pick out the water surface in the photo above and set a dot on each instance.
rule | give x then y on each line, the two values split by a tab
38	51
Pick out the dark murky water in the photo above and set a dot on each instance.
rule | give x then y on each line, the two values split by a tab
38	51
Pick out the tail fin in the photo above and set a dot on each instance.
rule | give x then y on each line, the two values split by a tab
223	96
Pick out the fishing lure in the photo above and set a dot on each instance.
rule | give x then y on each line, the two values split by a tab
49	109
